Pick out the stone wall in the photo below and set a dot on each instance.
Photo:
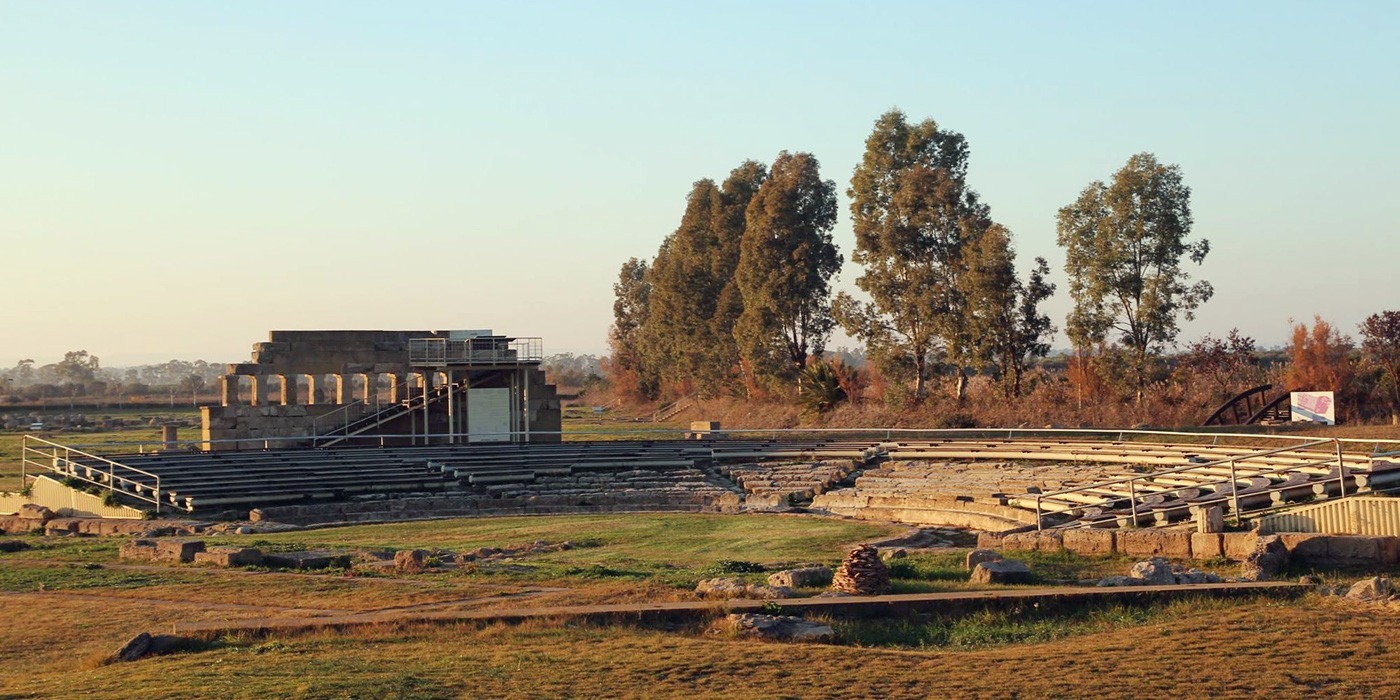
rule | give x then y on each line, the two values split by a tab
275	426
1309	549
978	513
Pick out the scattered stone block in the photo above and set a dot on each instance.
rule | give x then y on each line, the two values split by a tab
806	577
146	644
989	540
977	556
34	511
230	556
309	559
142	550
134	648
1194	576
1369	589
1155	571
793	629
727	588
722	588
1002	571
1090	542
178	550
410	560
759	591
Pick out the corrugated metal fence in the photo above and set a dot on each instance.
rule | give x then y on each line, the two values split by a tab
66	502
1358	515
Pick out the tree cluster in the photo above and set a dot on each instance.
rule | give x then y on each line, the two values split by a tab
738	298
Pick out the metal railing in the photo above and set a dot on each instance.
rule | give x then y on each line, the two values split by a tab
673	409
1233	479
491	350
340	418
1008	435
44	455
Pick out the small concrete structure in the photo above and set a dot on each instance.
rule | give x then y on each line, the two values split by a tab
420	387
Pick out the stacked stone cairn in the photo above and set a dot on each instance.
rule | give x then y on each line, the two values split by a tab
862	573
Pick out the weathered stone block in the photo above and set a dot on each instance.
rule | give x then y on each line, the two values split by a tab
1238	545
1209	519
1348	550
1049	541
1003	571
1020	542
178	550
230	556
807	577
989	540
1207	545
1172	543
1090	542
35	511
410	560
310	559
1388	551
144	550
977	556
1309	548
61	526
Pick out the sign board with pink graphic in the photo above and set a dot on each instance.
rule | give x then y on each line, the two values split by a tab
1314	406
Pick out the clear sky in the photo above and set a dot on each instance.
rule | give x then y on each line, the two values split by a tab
177	178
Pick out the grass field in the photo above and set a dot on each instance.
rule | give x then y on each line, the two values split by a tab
67	602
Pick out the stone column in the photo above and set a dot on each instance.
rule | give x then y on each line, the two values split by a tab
259	384
228	390
371	392
289	390
343	393
398	388
315	384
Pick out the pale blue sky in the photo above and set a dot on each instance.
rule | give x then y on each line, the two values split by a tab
177	178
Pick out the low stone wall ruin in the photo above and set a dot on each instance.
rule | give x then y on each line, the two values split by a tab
1180	543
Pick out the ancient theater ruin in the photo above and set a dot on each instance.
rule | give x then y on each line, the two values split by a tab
349	388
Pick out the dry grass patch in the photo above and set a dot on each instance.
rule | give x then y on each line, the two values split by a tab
1252	648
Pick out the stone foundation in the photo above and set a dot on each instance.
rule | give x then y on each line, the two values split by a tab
1179	543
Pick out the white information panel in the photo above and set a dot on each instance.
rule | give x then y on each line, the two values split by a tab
1314	406
488	415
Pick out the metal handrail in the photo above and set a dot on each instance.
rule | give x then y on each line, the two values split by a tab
70	471
487	350
317	420
1232	461
887	433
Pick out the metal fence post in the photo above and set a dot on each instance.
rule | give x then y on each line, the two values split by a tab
1341	471
1132	499
1234	492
